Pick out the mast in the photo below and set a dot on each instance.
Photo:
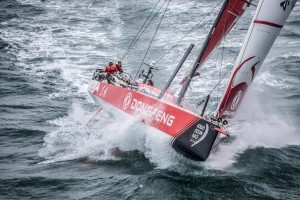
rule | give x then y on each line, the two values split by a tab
196	64
188	51
266	24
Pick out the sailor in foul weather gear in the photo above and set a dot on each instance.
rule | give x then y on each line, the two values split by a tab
150	82
119	66
110	68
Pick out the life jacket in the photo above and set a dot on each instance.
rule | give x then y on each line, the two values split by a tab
110	69
119	68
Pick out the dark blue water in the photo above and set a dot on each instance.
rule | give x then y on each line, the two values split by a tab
48	51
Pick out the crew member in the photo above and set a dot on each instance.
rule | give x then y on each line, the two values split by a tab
150	82
110	68
119	66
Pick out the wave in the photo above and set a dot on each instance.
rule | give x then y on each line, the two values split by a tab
295	22
295	96
11	9
3	45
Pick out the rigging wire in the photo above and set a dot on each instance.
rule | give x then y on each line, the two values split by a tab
224	75
209	13
226	72
195	57
219	76
221	140
222	57
153	37
145	26
139	34
220	73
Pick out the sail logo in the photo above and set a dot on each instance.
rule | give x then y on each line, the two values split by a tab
127	100
199	134
236	100
287	3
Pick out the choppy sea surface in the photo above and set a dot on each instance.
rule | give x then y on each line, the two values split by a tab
49	51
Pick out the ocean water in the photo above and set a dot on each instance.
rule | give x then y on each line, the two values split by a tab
49	51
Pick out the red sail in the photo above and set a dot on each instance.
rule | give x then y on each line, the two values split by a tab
233	10
229	14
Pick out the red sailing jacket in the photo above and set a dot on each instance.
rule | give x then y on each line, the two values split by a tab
110	69
119	68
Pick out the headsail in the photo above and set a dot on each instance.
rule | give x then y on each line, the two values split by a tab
266	24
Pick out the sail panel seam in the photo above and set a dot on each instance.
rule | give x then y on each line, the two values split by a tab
232	13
